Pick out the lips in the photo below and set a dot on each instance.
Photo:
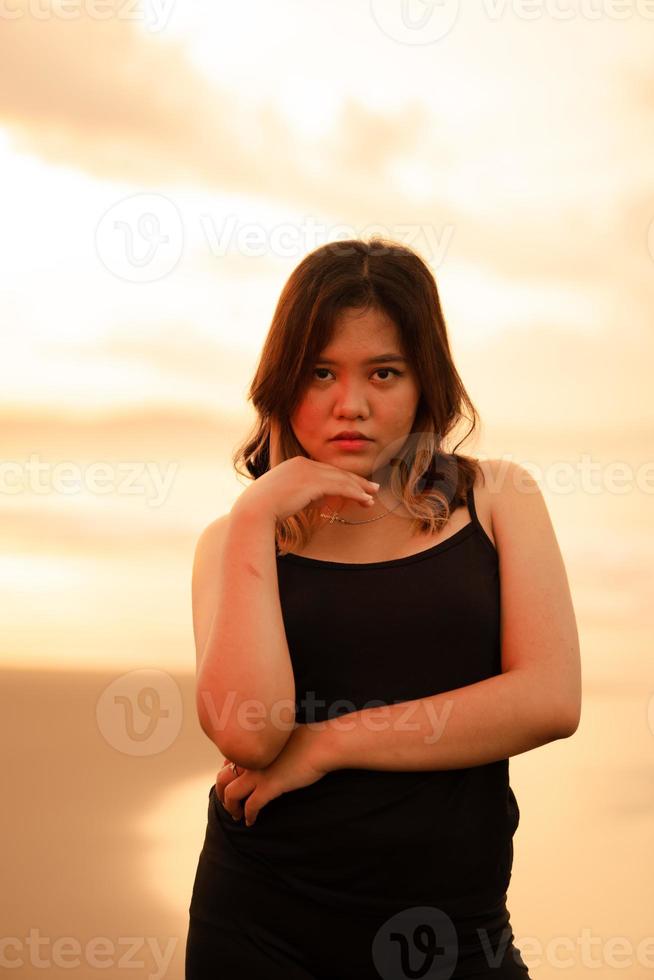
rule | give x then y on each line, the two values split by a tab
349	436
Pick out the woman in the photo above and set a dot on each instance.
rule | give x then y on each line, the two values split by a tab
358	665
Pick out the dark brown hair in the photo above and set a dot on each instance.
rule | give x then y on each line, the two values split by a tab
388	276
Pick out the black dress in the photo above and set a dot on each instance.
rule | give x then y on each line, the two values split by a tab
372	873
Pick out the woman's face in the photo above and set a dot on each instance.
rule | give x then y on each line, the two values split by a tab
377	399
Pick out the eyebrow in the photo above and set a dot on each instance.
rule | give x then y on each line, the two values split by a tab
380	359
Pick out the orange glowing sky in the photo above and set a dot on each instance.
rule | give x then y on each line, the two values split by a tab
512	152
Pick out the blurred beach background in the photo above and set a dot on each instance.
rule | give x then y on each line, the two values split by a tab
164	168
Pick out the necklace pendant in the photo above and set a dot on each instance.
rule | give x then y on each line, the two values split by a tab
333	518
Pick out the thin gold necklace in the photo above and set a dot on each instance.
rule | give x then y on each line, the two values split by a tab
334	517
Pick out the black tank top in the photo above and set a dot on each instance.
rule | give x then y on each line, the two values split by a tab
374	633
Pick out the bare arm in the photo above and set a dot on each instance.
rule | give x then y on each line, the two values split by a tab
492	719
537	697
245	688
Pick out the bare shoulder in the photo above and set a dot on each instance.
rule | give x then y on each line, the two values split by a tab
509	491
515	505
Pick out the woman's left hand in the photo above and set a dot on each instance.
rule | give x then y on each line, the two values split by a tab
300	763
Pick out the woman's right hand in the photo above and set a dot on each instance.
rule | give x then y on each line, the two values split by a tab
295	483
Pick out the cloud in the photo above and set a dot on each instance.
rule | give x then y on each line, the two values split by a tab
101	95
104	96
175	351
550	378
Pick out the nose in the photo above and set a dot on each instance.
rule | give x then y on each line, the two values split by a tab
350	402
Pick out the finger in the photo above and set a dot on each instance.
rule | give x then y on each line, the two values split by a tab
252	806
263	793
225	763
232	798
225	777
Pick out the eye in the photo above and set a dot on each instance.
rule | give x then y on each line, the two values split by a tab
383	369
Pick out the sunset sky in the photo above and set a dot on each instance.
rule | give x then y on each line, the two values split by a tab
165	169
516	151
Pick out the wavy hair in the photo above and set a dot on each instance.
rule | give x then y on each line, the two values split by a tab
427	478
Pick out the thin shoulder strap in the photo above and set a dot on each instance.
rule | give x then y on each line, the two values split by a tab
470	499
474	517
